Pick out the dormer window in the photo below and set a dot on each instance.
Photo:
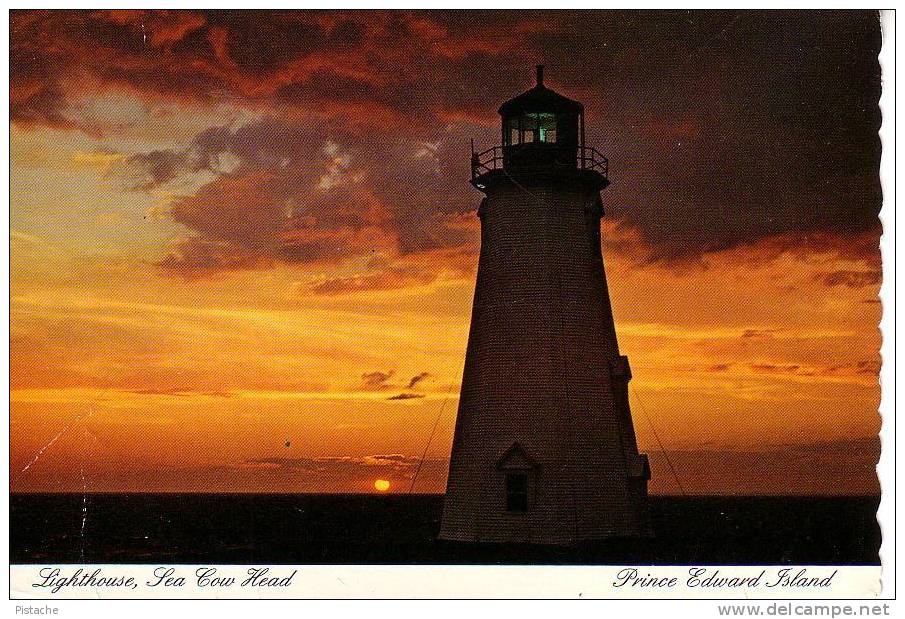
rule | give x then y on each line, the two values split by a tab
519	478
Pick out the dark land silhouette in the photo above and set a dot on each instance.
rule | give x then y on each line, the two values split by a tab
401	529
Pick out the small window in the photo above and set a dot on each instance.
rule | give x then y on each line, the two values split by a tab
517	492
514	133
528	135
544	124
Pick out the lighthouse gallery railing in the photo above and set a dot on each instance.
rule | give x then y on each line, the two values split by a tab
587	158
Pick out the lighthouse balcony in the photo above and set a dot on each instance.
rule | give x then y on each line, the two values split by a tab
537	160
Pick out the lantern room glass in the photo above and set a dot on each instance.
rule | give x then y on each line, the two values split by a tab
533	127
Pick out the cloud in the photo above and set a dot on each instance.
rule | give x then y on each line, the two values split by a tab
774	368
406	396
345	473
723	131
855	369
367	67
158	167
387	278
250	215
417	379
396	461
865	367
849	279
393	459
412	271
159	28
197	257
284	193
377	379
759	333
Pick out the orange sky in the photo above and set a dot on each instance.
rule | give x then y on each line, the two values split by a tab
160	340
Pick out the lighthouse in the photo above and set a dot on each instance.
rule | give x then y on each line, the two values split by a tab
544	450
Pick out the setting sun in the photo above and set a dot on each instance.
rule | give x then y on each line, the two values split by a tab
381	485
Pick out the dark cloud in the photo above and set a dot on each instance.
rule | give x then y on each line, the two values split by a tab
159	167
860	368
358	63
197	257
406	396
849	279
723	129
417	379
377	379
759	333
294	194
867	367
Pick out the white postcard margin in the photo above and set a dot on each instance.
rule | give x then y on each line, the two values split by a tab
58	582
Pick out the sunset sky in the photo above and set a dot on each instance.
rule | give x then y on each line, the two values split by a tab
243	245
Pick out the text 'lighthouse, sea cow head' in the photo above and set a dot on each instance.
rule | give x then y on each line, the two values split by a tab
544	449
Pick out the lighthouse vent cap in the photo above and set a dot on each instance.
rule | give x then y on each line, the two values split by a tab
540	99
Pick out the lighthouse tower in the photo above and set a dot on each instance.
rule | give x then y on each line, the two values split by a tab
544	449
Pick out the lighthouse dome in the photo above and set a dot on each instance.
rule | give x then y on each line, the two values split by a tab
540	99
541	116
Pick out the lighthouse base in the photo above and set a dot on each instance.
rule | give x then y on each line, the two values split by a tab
551	526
